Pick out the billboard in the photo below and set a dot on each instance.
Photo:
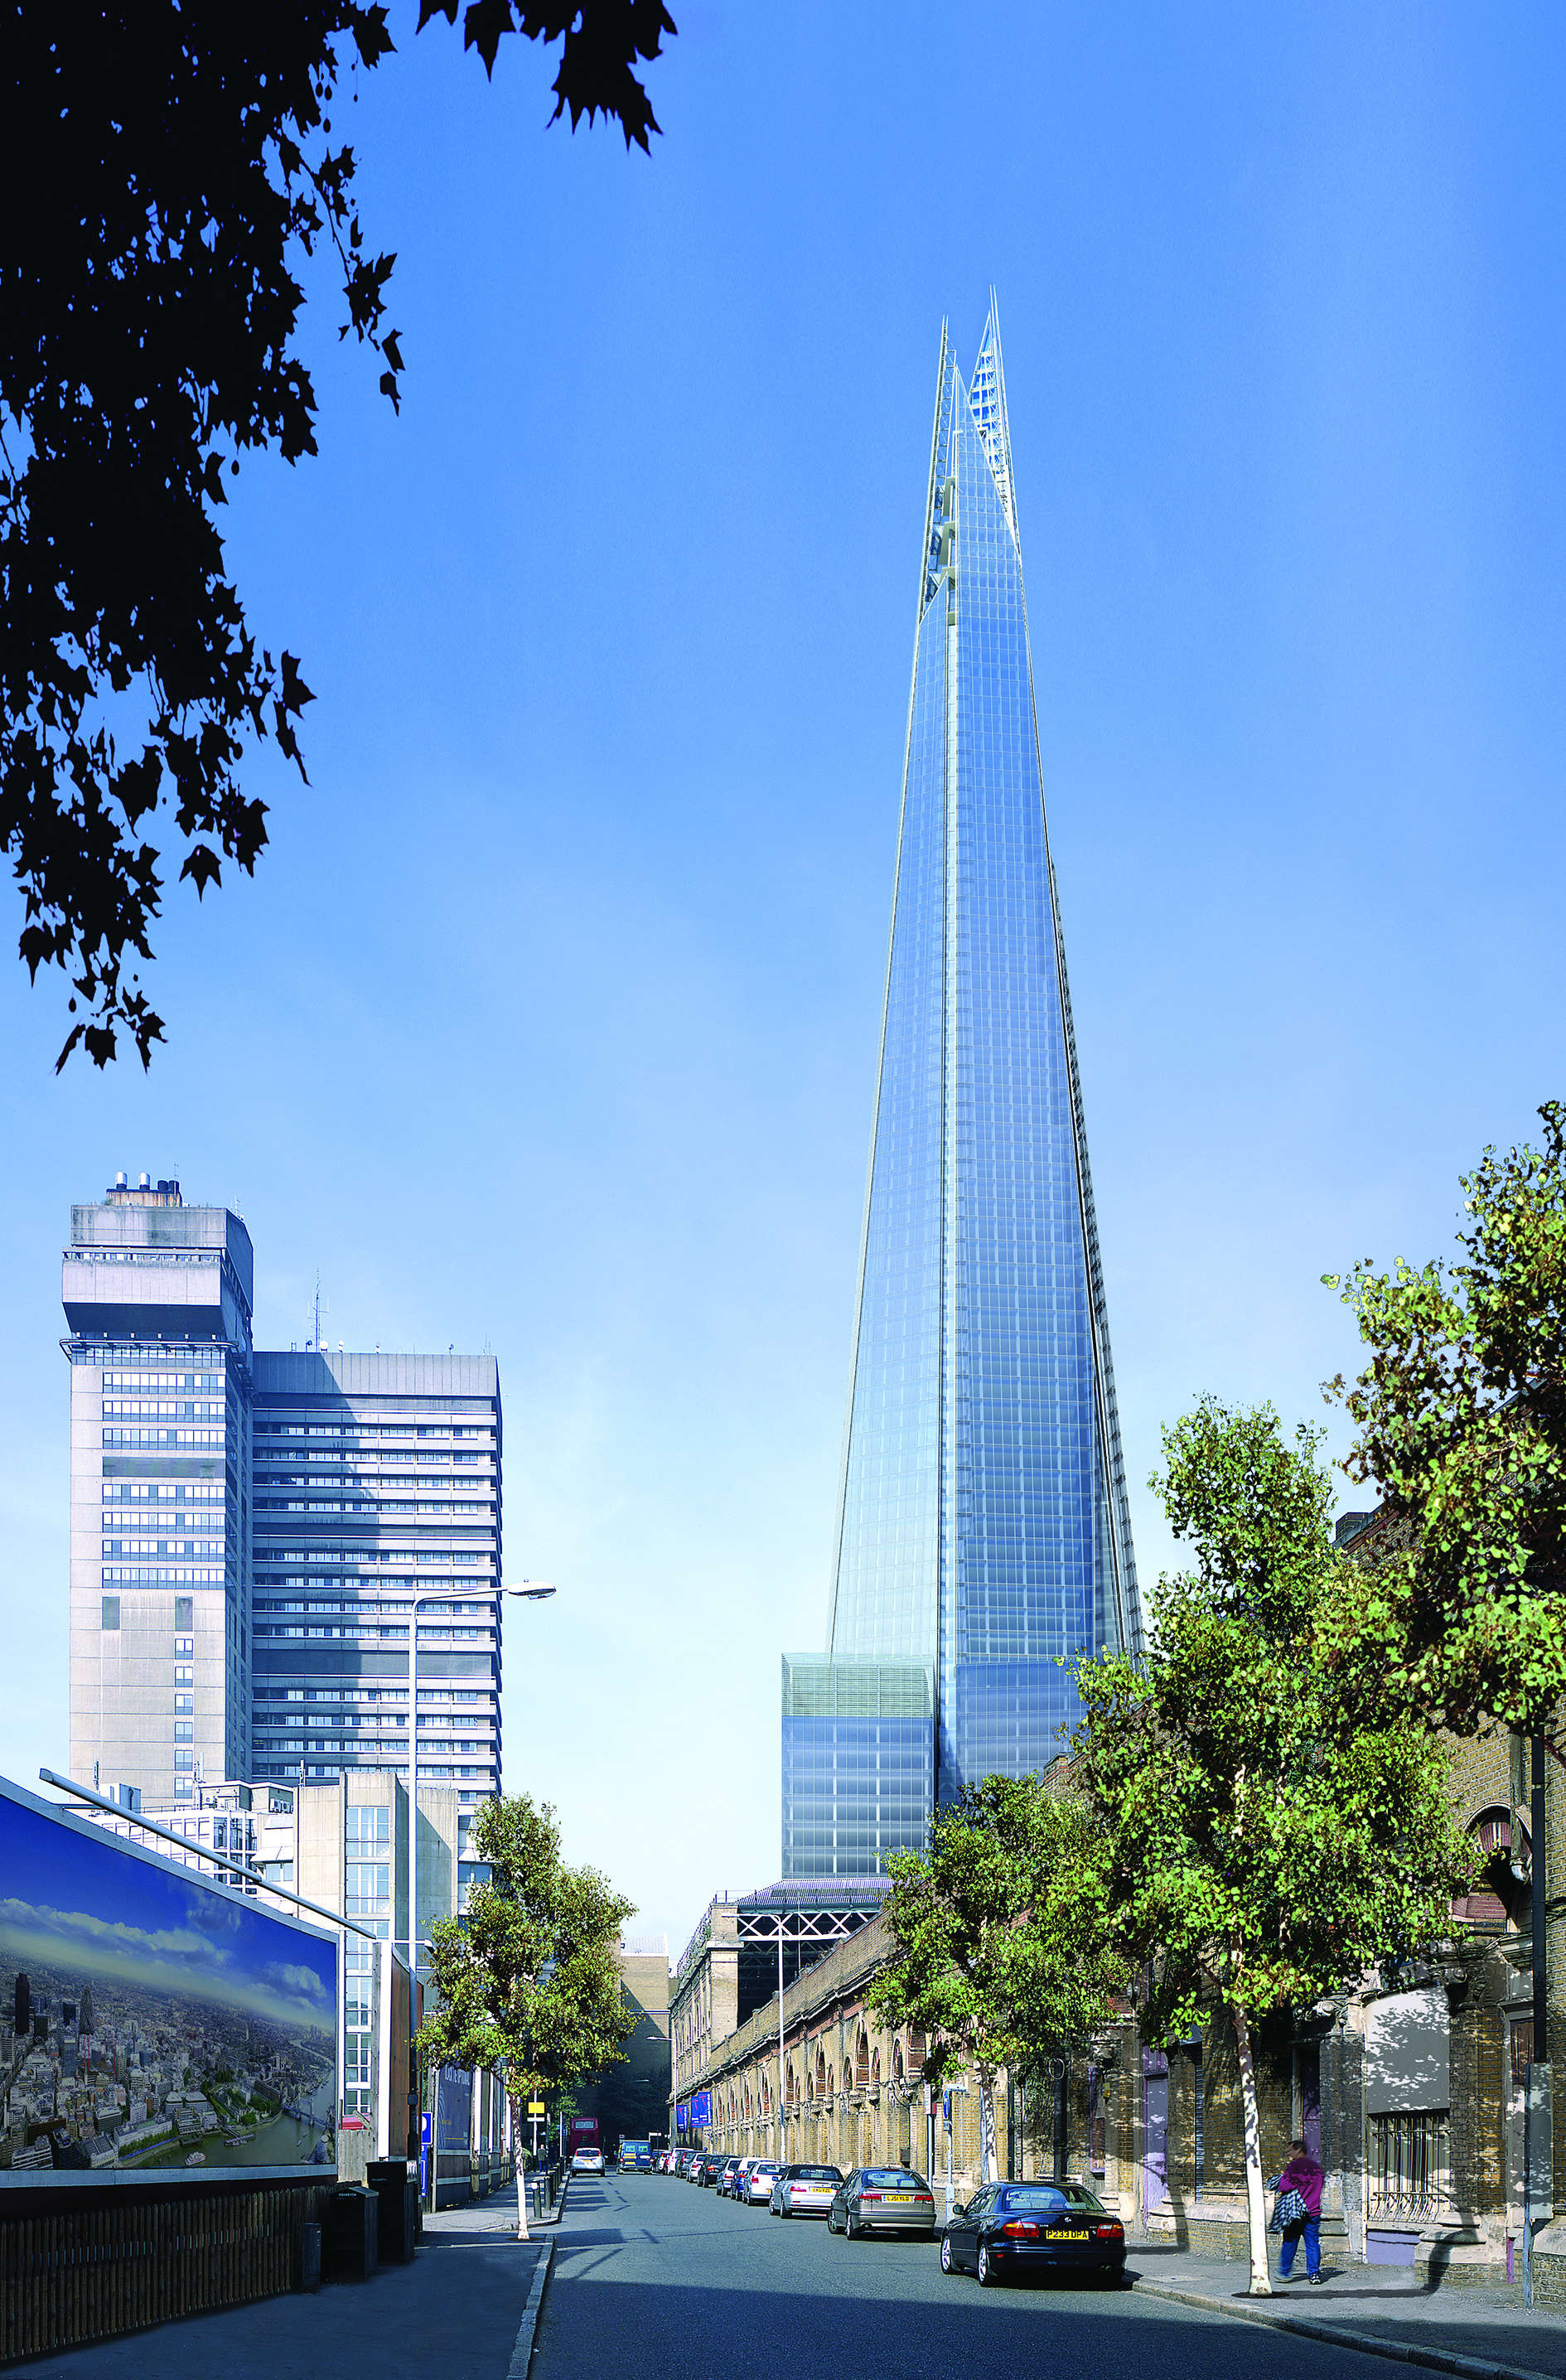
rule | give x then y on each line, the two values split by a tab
701	2108
149	2017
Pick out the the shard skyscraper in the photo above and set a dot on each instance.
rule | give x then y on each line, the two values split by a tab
983	1530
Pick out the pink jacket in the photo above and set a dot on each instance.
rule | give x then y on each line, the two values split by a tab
1303	2173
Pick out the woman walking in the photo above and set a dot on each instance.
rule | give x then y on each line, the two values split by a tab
1300	2182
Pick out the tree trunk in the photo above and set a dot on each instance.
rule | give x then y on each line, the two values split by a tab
1255	2203
521	2163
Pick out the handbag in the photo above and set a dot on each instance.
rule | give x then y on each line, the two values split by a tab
1292	2209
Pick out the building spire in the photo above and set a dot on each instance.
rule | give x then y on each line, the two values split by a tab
987	396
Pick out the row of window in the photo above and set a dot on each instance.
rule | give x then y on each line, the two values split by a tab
128	1438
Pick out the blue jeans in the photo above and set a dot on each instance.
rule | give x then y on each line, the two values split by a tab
1312	2229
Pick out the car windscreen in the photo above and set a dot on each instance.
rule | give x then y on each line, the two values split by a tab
815	2173
875	2178
1051	2201
762	2168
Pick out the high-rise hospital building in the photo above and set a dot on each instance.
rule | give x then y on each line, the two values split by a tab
983	1531
249	1529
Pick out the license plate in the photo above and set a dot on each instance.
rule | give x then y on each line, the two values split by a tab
1067	2235
897	2198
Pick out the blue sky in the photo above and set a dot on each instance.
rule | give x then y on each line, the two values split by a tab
84	1906
551	1018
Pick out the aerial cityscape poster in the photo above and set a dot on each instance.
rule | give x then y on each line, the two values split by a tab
149	2017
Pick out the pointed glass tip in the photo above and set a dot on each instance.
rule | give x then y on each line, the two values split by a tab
987	396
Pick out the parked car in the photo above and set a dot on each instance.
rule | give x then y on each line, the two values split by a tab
1009	2229
881	2198
804	2190
709	2168
666	2160
759	2181
725	2180
588	2161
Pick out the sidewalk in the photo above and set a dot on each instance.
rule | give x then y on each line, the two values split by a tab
1472	2332
457	2310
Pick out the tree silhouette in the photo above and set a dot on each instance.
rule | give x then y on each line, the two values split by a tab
164	169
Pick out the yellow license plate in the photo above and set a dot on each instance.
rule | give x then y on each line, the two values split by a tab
897	2198
1066	2235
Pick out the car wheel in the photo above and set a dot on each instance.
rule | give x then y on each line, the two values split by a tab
988	2271
946	2264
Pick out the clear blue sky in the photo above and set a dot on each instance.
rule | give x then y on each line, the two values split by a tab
551	1018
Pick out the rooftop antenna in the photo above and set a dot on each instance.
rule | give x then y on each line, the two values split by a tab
315	1340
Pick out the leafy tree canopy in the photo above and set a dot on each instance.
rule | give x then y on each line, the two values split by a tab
1264	1843
1462	1421
998	1932
528	1980
164	169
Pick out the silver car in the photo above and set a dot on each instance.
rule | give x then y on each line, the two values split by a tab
804	2190
882	2198
758	2183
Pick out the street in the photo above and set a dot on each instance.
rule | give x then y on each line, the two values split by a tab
653	2274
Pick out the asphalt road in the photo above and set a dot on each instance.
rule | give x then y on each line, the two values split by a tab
654	2278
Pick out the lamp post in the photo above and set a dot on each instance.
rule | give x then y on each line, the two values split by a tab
529	1592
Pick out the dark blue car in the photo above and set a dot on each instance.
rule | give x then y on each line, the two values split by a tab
1009	2229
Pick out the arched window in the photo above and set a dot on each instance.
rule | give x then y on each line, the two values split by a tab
896	2063
875	2065
861	2062
1497	1895
916	2048
821	2075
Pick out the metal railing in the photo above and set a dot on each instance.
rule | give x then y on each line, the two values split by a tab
1408	2158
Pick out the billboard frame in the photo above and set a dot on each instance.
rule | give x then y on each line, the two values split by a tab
54	2178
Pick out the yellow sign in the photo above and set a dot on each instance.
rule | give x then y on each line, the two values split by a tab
535	2106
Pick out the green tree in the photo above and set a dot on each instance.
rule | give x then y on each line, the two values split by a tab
1263	1842
165	169
1462	1421
1000	1949
527	1978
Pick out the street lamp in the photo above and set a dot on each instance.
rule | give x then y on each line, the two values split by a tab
531	1591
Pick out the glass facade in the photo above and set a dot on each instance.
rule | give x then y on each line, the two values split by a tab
983	1529
377	1481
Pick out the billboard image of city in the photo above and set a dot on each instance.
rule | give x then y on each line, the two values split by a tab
149	2017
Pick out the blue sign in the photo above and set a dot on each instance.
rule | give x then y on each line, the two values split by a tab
682	2114
701	2108
424	2128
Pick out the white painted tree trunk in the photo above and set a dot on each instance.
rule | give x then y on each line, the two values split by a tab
1256	2201
522	2231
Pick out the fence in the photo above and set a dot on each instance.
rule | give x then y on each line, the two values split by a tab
95	2262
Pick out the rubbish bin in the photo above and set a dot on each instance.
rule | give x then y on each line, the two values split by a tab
397	2191
309	2256
352	2233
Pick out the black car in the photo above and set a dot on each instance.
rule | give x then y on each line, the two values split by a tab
1012	2227
712	2165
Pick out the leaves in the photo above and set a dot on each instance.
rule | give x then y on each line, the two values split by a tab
1461	1431
1265	1835
997	1930
165	170
527	1978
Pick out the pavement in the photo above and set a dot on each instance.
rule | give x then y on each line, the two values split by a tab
1470	2331
455	2314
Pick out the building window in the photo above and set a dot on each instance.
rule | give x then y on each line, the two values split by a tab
1410	2161
110	1612
185	1702
183	1730
184	1759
